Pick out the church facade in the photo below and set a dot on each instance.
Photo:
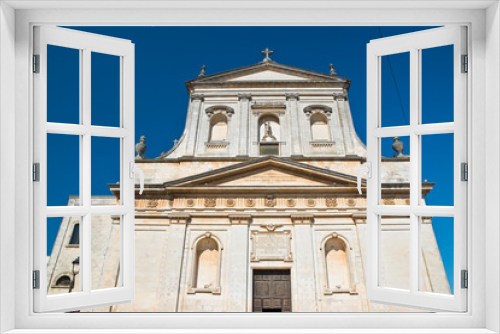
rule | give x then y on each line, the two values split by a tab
255	208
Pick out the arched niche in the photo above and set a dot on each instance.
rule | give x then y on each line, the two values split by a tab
218	128
206	266
338	265
269	128
319	127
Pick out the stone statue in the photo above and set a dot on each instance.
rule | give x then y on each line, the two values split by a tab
140	148
398	147
268	132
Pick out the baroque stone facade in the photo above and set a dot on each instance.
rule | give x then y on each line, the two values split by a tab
255	208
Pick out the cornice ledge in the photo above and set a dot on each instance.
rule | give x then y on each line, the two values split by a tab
179	217
302	218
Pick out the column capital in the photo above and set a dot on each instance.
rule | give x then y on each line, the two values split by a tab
339	97
242	218
302	218
179	218
244	97
292	96
197	97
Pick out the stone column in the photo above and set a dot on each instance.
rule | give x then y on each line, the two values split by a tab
196	103
293	111
237	266
244	116
172	267
305	300
344	124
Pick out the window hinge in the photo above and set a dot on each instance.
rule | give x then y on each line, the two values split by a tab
465	279
464	171
36	63
36	279
36	172
465	64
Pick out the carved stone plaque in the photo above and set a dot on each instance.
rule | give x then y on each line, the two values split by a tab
271	246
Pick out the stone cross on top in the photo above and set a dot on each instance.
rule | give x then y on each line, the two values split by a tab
267	52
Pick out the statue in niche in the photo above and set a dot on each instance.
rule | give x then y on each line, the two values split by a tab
268	132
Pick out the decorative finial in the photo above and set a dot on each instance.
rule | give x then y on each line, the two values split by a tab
202	72
140	148
398	147
266	53
332	71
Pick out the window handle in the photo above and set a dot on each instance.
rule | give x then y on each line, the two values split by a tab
135	170
368	171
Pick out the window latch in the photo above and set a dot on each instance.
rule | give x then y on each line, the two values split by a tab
135	170
368	171
36	172
465	279
464	171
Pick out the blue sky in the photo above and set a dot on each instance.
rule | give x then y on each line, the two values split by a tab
167	57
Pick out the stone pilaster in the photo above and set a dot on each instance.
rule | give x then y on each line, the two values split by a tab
174	258
244	115
296	140
305	300
238	263
345	124
196	104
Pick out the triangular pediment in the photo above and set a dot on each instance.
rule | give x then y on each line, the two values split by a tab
267	72
267	172
268	76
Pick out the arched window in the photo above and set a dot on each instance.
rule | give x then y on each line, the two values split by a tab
319	128
206	265
75	236
63	281
218	128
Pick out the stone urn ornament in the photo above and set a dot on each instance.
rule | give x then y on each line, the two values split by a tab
140	148
398	147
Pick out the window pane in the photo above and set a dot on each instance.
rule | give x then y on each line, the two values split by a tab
105	89
395	252
105	169
437	85
63	169
437	153
63	275
395	171
106	247
395	89
63	85
437	254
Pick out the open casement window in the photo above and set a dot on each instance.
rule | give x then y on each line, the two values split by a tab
89	136
421	131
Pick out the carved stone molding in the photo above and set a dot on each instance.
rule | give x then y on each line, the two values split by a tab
270	227
290	202
197	97
331	202
179	218
270	201
214	145
389	201
317	108
339	97
244	97
250	202
230	202
240	218
210	202
310	202
214	110
351	202
302	218
292	96
190	202
152	203
267	105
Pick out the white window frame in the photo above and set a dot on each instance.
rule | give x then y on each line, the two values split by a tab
414	44
85	43
484	103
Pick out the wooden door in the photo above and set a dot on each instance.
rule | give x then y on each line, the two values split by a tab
272	291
